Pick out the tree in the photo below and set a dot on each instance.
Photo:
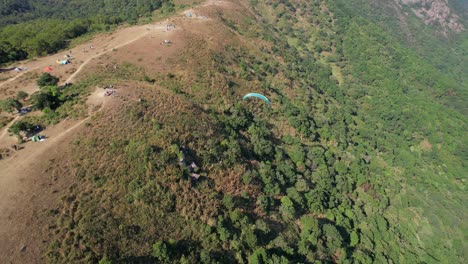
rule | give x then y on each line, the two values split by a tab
297	153
21	126
228	202
295	196
354	239
287	208
259	256
259	134
334	239
302	185
263	147
46	100
47	80
160	251
224	233
9	52
10	105
249	237
268	177
105	260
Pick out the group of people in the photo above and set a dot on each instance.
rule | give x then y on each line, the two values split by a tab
109	92
193	168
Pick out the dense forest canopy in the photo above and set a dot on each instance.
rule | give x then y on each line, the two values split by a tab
361	157
445	52
15	11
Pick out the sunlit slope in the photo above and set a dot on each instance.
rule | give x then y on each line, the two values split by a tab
354	161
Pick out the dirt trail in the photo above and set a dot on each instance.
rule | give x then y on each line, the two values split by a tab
100	45
42	62
8	168
12	79
25	166
33	150
160	27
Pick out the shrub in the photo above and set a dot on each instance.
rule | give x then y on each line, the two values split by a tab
160	251
47	80
46	100
10	105
21	95
21	126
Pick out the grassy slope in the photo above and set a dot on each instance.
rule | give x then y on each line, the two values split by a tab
352	155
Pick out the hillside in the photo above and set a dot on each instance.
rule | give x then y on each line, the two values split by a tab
432	29
36	28
17	11
360	158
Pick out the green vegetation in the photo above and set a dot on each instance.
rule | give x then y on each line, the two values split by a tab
21	95
60	102
34	28
43	36
446	55
10	105
358	160
4	120
14	11
21	126
47	80
56	103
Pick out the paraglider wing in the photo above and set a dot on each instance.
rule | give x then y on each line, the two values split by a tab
260	96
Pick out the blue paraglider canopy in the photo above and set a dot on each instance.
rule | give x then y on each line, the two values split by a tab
258	96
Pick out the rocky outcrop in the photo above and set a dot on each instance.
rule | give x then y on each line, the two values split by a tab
434	12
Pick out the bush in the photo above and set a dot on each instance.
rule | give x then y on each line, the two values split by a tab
47	80
46	100
105	260
21	126
21	95
160	251
4	120
10	105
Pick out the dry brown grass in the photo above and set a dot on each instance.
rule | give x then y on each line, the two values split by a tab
176	109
